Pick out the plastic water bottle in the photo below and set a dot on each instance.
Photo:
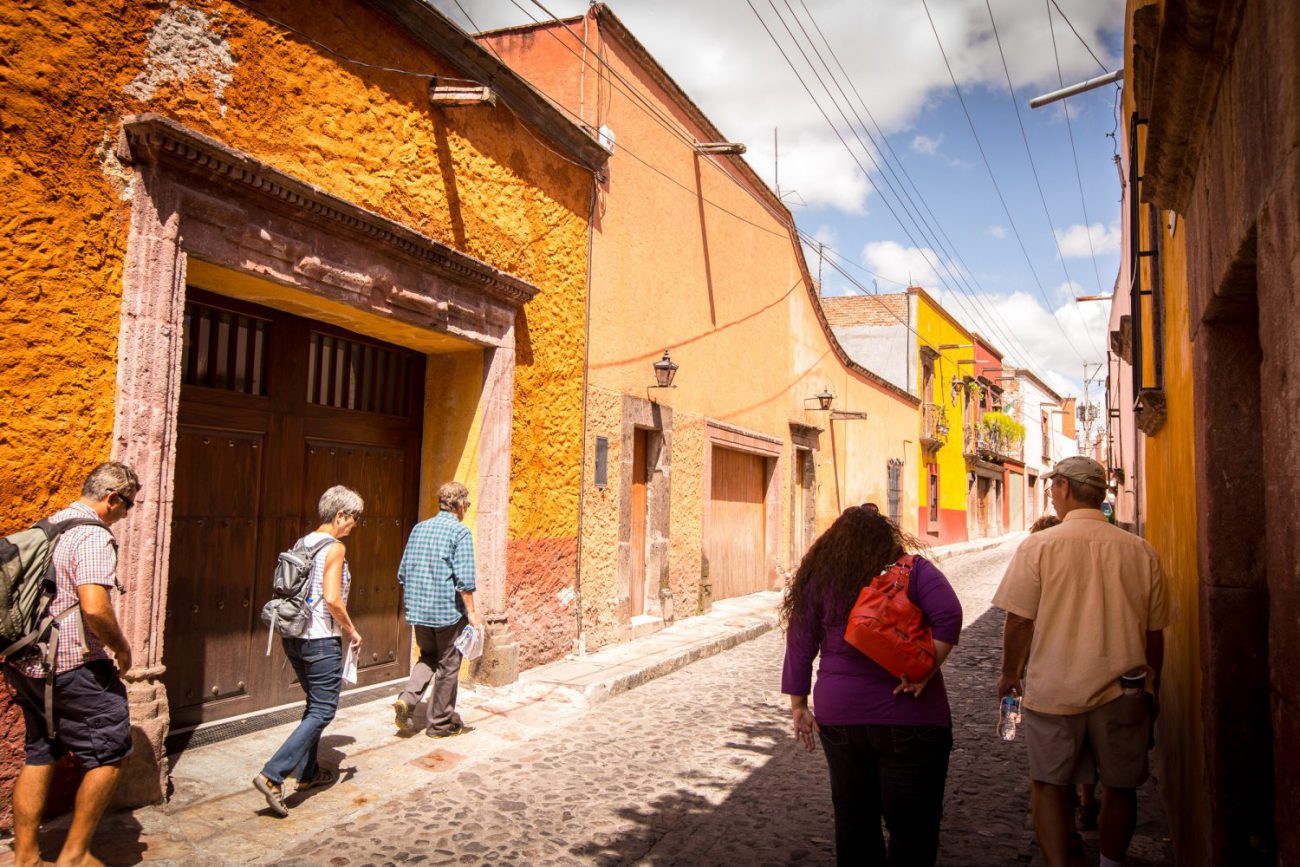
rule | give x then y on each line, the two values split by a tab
1009	717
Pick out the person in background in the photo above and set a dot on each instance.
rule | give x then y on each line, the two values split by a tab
1086	604
317	656
437	577
1089	808
886	742
92	720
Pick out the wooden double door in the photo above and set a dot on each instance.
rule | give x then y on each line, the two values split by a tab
275	409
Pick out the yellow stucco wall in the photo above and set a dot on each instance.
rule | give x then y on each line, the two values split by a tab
936	328
1169	512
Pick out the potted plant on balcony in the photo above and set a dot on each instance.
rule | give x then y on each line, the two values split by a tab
1004	433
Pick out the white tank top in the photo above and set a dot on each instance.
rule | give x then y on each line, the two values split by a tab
322	625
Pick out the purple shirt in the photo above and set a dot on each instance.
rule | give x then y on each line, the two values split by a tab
851	688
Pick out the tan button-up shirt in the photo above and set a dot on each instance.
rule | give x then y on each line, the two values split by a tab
1093	592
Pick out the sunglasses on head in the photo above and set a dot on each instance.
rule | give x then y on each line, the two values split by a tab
130	501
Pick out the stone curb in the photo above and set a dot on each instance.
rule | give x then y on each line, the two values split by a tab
938	555
605	690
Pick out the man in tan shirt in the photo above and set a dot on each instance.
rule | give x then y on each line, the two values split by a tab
1086	603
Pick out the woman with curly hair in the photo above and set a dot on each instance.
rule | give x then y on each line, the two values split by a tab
886	741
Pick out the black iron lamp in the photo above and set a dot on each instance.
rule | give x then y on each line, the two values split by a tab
665	370
823	399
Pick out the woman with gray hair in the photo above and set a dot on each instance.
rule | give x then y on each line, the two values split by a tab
317	656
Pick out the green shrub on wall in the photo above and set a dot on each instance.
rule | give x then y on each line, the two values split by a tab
1001	426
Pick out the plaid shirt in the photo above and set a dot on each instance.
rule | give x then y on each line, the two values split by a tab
82	555
437	566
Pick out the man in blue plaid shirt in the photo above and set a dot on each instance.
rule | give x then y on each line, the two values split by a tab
437	575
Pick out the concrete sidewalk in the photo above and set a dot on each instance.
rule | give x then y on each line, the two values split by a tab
939	553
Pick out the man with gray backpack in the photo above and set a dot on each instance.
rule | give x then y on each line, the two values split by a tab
56	626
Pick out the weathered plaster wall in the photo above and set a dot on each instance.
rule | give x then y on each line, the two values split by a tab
473	178
603	621
1170	510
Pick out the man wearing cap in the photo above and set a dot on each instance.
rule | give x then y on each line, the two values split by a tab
1086	603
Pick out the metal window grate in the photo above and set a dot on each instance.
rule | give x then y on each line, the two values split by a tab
224	350
348	374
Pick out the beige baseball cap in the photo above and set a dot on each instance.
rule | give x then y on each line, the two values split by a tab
1080	469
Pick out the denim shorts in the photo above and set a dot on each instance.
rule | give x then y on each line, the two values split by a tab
92	720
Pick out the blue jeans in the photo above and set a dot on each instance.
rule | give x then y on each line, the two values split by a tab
319	664
897	772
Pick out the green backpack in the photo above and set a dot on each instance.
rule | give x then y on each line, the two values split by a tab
27	588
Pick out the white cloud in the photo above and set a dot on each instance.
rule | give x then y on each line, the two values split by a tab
916	266
1068	291
998	232
729	66
924	144
1044	341
1074	240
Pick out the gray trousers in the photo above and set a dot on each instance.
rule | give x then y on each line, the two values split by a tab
440	662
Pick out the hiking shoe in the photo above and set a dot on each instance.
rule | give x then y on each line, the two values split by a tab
324	777
273	793
402	716
455	729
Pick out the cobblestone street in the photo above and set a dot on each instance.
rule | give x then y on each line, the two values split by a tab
699	768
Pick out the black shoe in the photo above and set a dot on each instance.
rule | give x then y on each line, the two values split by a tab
274	794
402	716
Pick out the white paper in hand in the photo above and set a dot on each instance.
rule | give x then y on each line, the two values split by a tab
470	643
350	666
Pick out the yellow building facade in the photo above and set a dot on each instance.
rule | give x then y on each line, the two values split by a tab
944	357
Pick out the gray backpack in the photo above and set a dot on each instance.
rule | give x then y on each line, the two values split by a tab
289	612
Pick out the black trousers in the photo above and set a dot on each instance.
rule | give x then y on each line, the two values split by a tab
896	773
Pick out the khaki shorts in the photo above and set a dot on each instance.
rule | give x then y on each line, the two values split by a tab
1109	741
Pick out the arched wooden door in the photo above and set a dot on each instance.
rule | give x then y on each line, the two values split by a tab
274	410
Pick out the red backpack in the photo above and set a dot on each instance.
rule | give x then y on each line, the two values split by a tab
888	628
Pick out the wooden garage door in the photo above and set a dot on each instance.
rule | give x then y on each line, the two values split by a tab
737	546
274	410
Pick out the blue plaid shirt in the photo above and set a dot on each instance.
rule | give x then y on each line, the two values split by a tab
437	566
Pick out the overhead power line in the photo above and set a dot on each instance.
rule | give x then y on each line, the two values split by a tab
963	275
1001	198
978	313
1074	152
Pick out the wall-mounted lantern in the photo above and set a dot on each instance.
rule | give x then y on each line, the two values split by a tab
824	399
665	370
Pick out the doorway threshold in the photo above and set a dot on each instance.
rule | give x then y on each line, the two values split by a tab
203	734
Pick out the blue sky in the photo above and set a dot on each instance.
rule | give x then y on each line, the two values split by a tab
723	55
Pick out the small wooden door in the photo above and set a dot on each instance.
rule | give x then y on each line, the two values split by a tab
737	543
637	543
805	504
274	410
982	506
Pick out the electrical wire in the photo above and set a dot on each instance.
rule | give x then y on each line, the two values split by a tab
1024	137
1082	41
1001	330
345	58
1078	173
1006	209
1009	344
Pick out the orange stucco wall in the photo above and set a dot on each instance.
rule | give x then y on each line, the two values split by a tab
690	256
474	178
